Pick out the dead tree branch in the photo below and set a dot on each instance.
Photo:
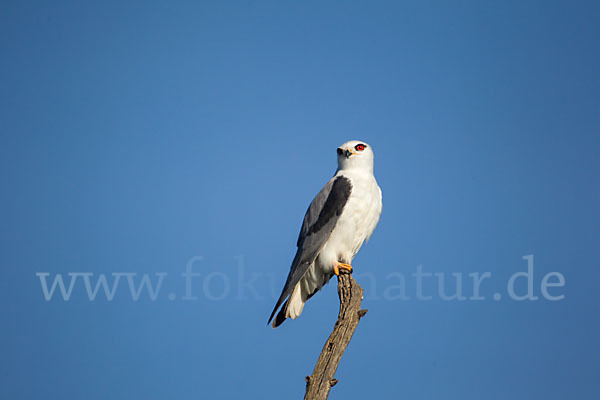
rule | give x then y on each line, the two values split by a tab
322	379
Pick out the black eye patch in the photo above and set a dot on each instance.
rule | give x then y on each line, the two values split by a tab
360	147
340	151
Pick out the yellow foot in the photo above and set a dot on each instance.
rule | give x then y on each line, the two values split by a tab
338	266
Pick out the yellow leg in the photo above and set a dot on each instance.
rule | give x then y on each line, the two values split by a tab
339	265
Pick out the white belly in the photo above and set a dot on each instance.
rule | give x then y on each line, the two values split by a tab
357	222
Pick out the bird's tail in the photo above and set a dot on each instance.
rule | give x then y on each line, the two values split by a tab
292	308
307	286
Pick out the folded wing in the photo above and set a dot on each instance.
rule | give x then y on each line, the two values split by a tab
320	220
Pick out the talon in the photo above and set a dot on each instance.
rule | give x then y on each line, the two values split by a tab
339	265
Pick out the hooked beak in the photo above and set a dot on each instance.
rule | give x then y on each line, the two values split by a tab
346	153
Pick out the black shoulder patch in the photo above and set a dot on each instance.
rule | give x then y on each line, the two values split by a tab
334	205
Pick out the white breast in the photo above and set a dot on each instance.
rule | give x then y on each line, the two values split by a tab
357	222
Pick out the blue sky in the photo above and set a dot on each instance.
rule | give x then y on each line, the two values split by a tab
139	135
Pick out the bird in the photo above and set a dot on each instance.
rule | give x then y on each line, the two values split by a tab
341	217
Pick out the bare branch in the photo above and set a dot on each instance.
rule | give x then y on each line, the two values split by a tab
322	379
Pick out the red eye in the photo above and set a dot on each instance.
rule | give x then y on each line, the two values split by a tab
359	147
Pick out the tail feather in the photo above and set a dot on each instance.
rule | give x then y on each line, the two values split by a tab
296	301
306	287
292	308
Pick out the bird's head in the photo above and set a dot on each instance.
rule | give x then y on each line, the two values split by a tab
355	154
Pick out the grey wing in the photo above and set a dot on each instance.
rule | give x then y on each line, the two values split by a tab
320	220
